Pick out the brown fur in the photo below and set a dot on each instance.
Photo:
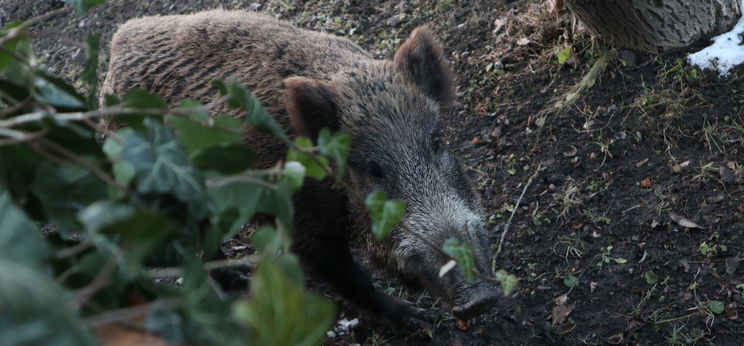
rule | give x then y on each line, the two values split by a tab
308	81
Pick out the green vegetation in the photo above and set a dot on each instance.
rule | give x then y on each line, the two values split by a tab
100	227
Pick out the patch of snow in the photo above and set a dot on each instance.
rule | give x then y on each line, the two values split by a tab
725	53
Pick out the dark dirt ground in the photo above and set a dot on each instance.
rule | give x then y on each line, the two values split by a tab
596	242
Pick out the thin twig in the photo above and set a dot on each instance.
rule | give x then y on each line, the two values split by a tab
130	313
96	285
83	163
516	207
19	31
240	179
16	107
229	263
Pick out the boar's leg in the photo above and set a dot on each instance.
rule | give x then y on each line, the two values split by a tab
321	239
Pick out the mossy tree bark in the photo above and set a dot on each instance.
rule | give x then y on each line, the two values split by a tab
656	24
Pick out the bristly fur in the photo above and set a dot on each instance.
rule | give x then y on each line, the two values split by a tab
311	80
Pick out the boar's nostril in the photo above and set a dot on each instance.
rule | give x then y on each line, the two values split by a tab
473	300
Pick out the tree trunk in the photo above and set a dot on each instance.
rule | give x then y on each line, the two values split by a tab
656	24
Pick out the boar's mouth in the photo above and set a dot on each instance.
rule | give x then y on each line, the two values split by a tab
473	299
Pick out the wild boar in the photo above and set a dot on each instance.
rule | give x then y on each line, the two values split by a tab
308	81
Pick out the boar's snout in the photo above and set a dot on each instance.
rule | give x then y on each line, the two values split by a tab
474	298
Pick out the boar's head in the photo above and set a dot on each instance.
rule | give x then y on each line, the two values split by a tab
392	112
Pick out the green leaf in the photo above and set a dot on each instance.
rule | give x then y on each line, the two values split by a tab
314	168
508	282
570	281
7	58
337	147
81	6
650	277
280	311
35	309
256	115
65	190
267	240
102	214
57	93
90	70
123	170
716	306
231	206
385	214
18	70
142	99
227	158
20	239
278	202
295	173
137	233
162	166
463	254
18	176
563	55
197	134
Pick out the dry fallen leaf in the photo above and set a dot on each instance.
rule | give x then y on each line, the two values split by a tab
616	339
683	221
463	324
557	6
114	335
731	312
561	310
523	41
498	25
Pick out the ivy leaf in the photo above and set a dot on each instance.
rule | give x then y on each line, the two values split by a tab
36	308
463	254
65	190
337	147
508	282
198	133
162	167
103	213
19	238
256	115
716	306
385	214
6	58
295	174
89	74
314	168
138	233
280	311
231	206
56	92
123	170
142	99
227	158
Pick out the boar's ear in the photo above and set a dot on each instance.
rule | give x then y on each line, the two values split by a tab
422	58
311	105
